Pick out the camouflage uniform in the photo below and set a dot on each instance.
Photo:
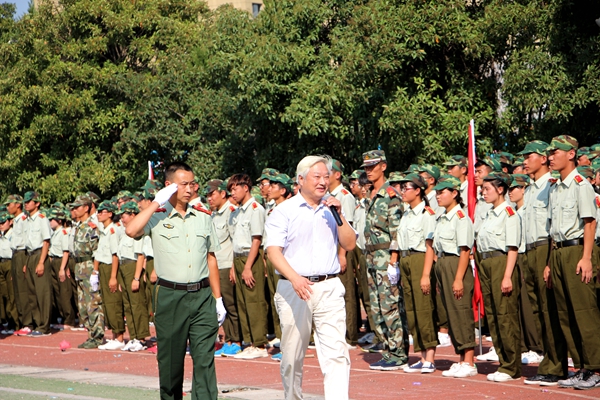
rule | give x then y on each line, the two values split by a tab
91	313
387	302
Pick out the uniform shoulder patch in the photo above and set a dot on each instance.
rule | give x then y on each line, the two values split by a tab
112	231
460	214
92	225
255	205
430	210
597	201
42	216
199	207
391	191
24	217
345	192
160	210
231	208
64	231
578	178
510	211
552	181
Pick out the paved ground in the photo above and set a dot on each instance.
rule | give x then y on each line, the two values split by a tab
94	374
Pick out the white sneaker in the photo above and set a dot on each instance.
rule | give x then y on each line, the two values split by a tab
410	340
570	362
350	346
274	343
465	370
489	356
368	338
112	344
444	340
452	371
251	352
499	377
531	357
128	345
136	346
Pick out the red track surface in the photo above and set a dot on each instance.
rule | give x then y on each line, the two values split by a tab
264	373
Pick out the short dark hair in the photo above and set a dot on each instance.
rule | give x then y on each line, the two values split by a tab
363	180
239	179
280	186
174	167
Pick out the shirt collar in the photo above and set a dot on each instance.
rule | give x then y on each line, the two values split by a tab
224	207
247	203
171	211
418	209
34	216
338	189
302	202
569	179
464	184
498	210
450	214
542	180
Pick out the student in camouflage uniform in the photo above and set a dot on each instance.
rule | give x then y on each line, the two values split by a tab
85	243
387	303
264	181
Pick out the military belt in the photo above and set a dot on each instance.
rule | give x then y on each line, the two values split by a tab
407	253
539	243
82	259
441	254
242	254
314	278
149	258
379	246
188	287
4	260
491	254
17	251
126	261
34	252
568	243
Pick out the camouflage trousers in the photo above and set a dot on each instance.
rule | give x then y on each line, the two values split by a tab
387	308
89	302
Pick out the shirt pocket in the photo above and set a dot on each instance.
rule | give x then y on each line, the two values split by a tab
167	242
222	232
447	239
415	236
569	214
202	240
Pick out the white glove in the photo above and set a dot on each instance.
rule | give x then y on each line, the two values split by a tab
164	194
393	273
95	282
221	312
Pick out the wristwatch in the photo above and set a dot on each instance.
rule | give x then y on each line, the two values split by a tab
136	279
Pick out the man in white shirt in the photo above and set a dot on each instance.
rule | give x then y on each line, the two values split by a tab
302	244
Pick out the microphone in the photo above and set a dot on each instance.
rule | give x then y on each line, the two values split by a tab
334	211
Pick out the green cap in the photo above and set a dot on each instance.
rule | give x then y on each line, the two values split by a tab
563	142
519	160
593	154
284	180
535	146
492	163
152	184
412	168
373	157
396	176
596	163
356	173
499	175
13	198
519	180
95	198
148	194
431	170
81	200
583	151
459	160
123	194
211	186
130	207
416	180
595	147
256	194
223	186
55	213
586	171
336	165
59	205
31	196
505	158
108	206
267	173
447	182
5	216
3	208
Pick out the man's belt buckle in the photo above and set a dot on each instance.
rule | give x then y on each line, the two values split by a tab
314	278
193	287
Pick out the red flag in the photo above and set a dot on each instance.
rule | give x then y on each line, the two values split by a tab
150	171
478	309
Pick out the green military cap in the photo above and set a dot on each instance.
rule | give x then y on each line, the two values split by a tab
595	147
31	196
596	163
212	185
412	168
500	176
492	163
130	207
415	179
5	216
431	170
223	186
108	206
137	196
124	193
336	165
563	142
55	213
519	180
535	146
284	180
152	184
95	198
255	192
505	158
148	194
396	176
59	205
356	173
267	173
583	151
518	161
459	160
3	208
81	200
13	198
447	182
593	154
586	171
373	157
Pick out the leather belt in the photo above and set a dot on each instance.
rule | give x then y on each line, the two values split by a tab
441	254
406	253
314	278
242	254
82	259
379	246
491	254
4	260
568	243
149	258
188	287
539	243
126	261
34	252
